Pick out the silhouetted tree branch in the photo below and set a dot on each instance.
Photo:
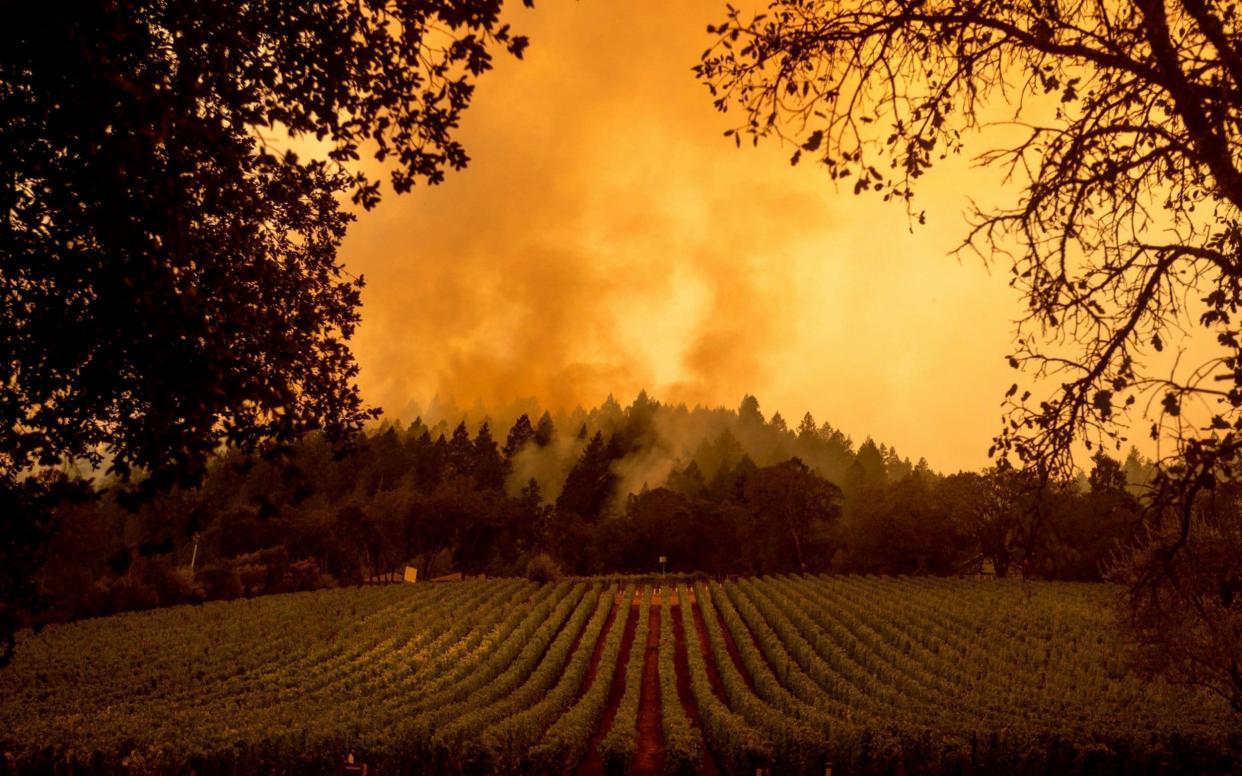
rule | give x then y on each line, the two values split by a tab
169	281
1122	138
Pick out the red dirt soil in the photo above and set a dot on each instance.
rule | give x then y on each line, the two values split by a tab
593	763
649	759
599	649
681	661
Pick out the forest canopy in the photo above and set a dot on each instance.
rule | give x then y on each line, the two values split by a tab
607	490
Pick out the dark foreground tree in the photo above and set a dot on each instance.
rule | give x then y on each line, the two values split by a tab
1123	144
1192	630
174	177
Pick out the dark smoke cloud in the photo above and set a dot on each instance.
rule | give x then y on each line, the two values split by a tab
607	239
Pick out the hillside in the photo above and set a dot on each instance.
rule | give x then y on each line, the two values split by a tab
863	674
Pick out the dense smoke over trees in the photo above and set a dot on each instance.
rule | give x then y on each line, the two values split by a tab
611	489
648	443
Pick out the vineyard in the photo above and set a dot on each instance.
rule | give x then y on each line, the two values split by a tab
792	674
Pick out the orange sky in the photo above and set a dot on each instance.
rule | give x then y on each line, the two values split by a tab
607	238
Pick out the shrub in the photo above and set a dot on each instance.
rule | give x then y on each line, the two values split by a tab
542	568
219	581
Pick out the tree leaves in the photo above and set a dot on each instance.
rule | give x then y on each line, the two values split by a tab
169	274
1127	199
1103	403
175	284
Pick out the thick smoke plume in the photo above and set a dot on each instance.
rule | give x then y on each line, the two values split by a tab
605	238
650	443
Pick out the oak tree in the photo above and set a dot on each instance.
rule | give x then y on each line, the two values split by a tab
1123	153
176	178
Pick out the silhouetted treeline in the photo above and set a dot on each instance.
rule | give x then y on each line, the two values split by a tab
607	490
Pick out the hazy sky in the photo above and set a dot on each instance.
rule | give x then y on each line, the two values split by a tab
607	238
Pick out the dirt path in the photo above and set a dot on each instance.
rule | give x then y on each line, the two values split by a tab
649	759
593	764
681	661
593	668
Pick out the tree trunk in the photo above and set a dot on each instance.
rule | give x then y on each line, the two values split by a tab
798	549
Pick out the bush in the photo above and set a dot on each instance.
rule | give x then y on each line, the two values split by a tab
252	577
303	575
219	581
181	587
542	568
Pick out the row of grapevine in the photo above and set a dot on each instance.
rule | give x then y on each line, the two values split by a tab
621	741
792	673
469	704
565	743
133	699
196	645
682	741
863	736
797	745
883	674
294	717
505	744
738	747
